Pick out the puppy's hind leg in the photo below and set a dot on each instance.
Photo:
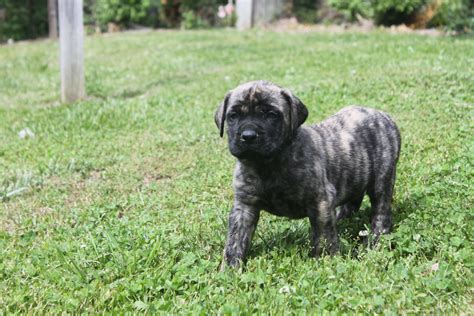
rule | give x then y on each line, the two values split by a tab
346	210
380	199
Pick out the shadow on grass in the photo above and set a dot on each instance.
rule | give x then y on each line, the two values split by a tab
296	237
293	237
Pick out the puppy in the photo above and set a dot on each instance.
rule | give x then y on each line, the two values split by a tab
300	171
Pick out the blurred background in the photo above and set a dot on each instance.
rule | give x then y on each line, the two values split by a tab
30	19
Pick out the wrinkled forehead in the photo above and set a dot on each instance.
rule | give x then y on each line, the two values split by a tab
253	96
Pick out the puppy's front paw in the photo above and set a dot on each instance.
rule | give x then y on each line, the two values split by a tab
223	266
381	224
325	247
233	264
342	212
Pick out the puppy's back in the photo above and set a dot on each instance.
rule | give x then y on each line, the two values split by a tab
359	144
356	126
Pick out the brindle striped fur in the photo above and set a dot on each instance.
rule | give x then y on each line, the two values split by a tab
301	171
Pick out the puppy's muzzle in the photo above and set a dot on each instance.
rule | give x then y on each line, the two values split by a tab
248	136
248	133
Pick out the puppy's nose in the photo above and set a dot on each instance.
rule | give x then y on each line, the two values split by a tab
248	136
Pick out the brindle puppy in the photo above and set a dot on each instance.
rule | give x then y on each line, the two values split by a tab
304	171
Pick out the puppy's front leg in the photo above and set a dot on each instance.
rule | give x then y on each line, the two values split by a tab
242	223
323	223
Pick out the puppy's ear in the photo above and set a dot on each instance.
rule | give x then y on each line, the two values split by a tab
298	112
219	117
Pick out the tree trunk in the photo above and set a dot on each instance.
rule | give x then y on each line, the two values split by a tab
53	18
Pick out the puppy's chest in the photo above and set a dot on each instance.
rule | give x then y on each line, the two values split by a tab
283	196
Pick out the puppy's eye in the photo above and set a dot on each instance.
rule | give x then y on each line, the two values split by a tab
232	116
271	115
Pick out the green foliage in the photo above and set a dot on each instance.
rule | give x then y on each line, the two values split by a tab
24	19
127	193
198	5
203	13
390	12
403	6
305	11
457	15
351	8
192	14
385	12
126	12
452	14
229	21
189	20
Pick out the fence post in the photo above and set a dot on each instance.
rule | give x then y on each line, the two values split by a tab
252	13
71	42
244	9
53	18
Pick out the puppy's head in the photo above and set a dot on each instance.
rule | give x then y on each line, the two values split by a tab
261	118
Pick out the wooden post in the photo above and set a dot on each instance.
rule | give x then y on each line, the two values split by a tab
53	18
267	11
252	13
244	9
71	42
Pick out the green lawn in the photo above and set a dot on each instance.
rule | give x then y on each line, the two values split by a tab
127	193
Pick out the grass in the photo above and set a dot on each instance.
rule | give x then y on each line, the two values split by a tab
120	202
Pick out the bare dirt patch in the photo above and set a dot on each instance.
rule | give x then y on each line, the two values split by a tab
291	25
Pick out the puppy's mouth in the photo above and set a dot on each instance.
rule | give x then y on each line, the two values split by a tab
248	154
254	152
